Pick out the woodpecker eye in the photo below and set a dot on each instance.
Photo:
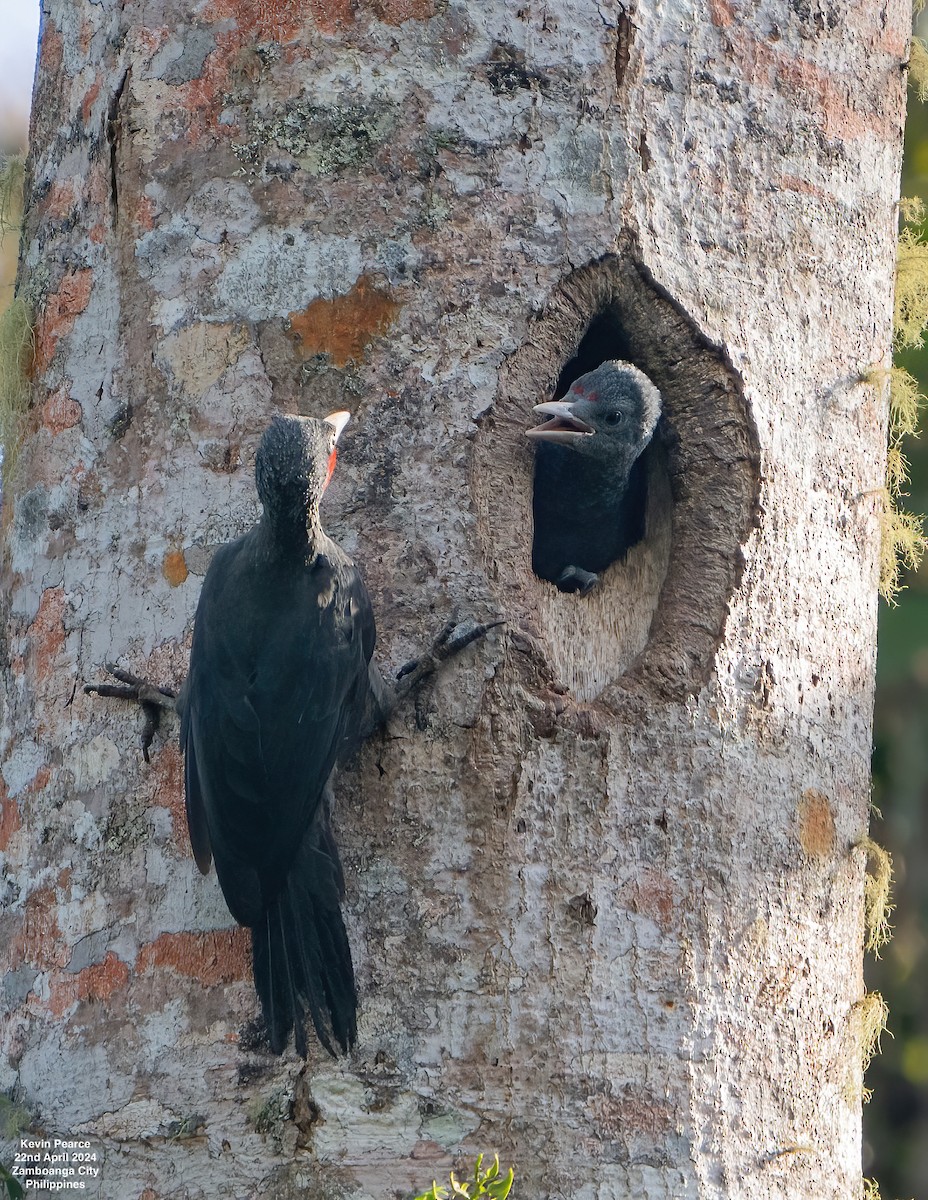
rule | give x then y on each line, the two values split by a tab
614	417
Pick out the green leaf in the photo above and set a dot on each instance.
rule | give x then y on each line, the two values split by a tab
487	1182
434	1193
12	1186
499	1189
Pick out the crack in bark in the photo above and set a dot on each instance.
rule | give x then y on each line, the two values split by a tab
625	34
113	137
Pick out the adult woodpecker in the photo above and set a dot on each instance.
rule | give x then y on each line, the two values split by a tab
278	678
280	685
590	481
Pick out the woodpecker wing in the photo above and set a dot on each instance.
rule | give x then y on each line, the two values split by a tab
278	674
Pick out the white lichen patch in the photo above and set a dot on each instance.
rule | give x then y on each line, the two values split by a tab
53	1060
279	271
450	1128
198	355
93	762
137	1119
21	767
82	823
356	1117
160	1032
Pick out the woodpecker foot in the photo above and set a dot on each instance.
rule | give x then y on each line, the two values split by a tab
575	579
455	636
152	699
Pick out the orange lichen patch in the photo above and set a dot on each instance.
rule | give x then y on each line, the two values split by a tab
62	197
144	215
39	781
62	994
147	40
816	823
263	20
721	13
60	312
342	327
101	980
46	633
97	184
9	816
220	956
86	37
166	787
174	567
96	982
332	15
60	412
395	12
39	941
89	489
793	183
51	49
88	101
651	894
826	94
202	100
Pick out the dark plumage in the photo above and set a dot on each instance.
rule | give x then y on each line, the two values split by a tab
278	679
281	685
590	482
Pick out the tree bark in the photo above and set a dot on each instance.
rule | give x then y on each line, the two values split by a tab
603	892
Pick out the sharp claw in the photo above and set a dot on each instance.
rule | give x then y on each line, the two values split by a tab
110	691
151	698
468	631
149	729
447	630
123	676
452	639
575	579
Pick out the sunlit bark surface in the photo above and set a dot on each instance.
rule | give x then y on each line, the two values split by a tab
603	894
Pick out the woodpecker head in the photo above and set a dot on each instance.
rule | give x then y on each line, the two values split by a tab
295	461
608	414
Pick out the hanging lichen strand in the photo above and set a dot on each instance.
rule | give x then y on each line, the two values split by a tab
16	339
903	541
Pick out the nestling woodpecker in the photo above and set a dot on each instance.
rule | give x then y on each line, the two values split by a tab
590	482
278	678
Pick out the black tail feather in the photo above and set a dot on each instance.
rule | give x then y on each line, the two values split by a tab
302	960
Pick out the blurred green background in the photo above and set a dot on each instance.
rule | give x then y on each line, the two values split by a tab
896	1120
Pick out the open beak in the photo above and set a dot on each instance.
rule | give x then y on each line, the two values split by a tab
561	426
338	421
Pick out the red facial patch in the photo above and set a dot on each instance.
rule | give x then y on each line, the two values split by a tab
331	469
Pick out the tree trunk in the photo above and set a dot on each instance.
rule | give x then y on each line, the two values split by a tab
603	893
